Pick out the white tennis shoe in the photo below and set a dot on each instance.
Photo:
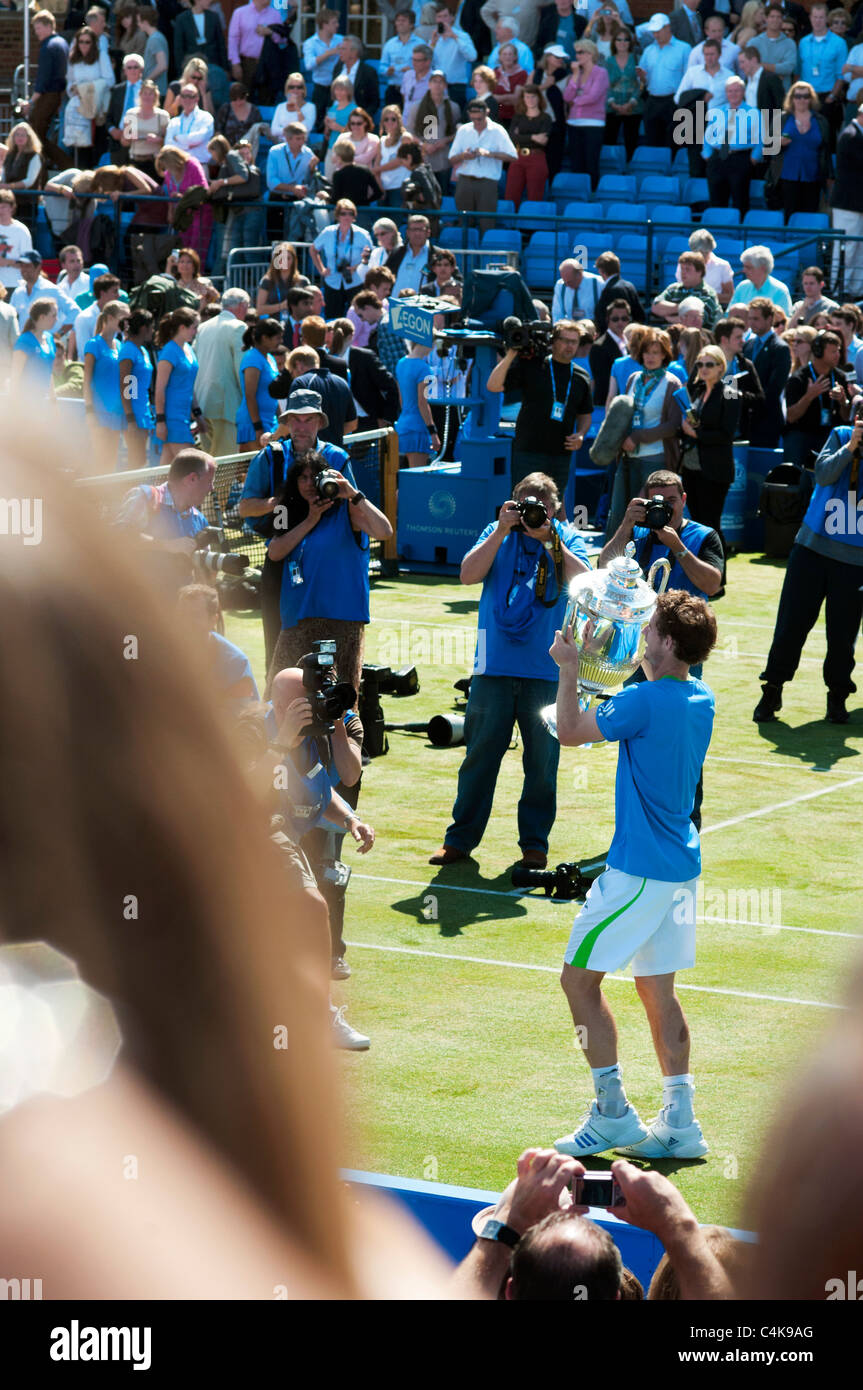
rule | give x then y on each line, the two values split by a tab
599	1133
665	1141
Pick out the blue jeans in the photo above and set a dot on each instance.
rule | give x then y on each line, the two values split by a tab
496	703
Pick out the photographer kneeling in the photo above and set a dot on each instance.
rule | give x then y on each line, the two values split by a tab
524	563
167	517
556	403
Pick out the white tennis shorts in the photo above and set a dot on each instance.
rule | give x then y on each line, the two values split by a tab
643	920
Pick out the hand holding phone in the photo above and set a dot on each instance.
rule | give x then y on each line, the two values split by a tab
597	1190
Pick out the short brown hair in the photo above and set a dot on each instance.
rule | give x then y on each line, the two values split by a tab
663	477
693	258
651	337
365	299
324	16
539	484
380	275
345	150
607	260
7	196
816	269
303	357
763	305
44	17
564	326
689	622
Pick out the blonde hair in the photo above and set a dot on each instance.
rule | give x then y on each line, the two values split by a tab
34	144
116	309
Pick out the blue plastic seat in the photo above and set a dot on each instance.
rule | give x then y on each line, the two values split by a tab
632	251
680	162
448	205
534	216
500	240
616	186
696	193
612	159
717	219
757	194
664	212
588	213
810	221
763	220
626	212
566	188
660	188
653	159
459	238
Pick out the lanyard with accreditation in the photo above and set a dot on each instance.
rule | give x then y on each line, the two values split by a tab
558	408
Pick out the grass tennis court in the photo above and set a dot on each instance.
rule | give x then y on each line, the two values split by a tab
455	978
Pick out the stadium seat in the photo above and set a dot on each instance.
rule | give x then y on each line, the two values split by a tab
617	186
533	216
664	212
458	238
632	251
587	213
696	193
500	239
612	159
448	205
626	212
800	224
762	220
731	251
567	188
757	195
810	221
267	113
680	162
717	219
658	188
652	159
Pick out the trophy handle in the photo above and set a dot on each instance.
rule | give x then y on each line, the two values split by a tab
663	565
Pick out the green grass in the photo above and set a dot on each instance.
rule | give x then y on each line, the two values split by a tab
473	1060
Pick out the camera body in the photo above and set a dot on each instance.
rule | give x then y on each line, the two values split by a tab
529	340
213	555
327	484
532	512
657	513
329	698
565	882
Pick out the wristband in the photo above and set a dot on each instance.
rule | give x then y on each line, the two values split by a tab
257	425
357	498
161	419
679	554
197	411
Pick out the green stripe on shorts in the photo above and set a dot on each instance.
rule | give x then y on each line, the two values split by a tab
582	955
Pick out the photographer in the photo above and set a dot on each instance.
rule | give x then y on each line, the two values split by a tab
167	517
336	254
557	406
694	551
817	400
324	537
329	767
826	563
524	562
296	433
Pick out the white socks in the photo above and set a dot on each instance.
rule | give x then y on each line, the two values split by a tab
610	1095
677	1093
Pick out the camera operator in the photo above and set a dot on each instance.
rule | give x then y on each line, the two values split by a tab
524	563
693	550
296	433
556	405
642	908
826	562
322	526
330	768
166	517
817	399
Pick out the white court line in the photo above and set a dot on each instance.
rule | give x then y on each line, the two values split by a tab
780	805
777	766
619	979
518	893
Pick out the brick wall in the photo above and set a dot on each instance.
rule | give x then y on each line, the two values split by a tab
12	47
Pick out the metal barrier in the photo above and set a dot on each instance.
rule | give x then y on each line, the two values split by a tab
374	456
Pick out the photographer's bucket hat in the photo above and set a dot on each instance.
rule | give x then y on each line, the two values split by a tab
305	403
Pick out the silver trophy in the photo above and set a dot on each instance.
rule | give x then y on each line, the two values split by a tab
609	611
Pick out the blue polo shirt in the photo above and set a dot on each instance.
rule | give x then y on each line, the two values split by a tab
265	477
664	729
285	167
822	60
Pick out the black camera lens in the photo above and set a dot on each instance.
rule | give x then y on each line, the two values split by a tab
533	513
657	513
327	484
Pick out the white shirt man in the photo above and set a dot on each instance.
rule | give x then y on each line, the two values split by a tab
728	57
192	130
701	78
477	147
32	285
15	239
575	293
74	279
413	264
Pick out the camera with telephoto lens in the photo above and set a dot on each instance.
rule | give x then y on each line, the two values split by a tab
327	484
530	340
657	513
532	512
565	882
329	698
213	555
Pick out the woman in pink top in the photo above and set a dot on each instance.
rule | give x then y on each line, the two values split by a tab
180	172
585	97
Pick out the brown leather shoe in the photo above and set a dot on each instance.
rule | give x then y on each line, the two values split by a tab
533	859
448	854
